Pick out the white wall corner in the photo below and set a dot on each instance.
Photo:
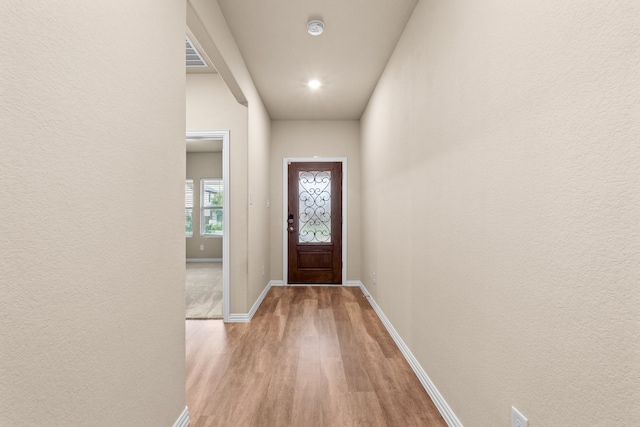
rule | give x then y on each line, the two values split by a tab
246	317
183	419
444	409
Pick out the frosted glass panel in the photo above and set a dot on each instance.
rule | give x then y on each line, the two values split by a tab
314	201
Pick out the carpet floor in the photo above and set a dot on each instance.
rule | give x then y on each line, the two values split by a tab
203	289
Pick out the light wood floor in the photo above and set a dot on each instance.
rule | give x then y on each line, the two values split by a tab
311	356
203	290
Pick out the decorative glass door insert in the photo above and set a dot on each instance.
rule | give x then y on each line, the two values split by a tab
314	207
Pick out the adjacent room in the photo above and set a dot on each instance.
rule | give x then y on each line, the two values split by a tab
204	190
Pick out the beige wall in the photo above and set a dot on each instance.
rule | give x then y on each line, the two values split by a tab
504	136
259	238
249	234
199	166
92	276
210	105
331	138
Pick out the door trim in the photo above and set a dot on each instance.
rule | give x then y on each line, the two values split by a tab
285	208
226	239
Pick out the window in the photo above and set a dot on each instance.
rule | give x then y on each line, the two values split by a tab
188	207
211	197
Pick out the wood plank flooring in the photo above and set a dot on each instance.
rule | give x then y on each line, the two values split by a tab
311	356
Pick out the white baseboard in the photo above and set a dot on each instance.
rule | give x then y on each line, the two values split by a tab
238	318
354	283
246	317
315	285
445	410
204	259
183	419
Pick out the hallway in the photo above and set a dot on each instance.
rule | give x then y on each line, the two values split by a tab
311	356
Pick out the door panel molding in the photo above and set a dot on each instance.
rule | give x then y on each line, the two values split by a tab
285	207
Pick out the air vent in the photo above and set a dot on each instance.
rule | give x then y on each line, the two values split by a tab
194	59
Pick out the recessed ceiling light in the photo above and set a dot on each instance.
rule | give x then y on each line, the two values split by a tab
314	84
315	27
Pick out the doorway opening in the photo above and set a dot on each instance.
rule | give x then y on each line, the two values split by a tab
209	221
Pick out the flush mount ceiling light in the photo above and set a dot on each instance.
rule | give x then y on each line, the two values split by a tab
315	27
314	84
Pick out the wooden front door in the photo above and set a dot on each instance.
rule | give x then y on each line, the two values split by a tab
314	223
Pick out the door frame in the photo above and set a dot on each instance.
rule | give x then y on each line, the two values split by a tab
226	238
285	208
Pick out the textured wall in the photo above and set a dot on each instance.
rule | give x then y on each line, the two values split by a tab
324	138
199	166
501	197
259	178
210	105
91	213
249	167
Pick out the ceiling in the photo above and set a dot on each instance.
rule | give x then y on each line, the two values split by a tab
348	58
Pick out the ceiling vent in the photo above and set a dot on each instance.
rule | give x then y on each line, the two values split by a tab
194	59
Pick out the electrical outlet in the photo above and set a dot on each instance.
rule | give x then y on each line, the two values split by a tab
374	278
202	247
517	419
268	203
262	271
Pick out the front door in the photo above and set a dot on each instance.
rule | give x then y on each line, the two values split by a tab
314	223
